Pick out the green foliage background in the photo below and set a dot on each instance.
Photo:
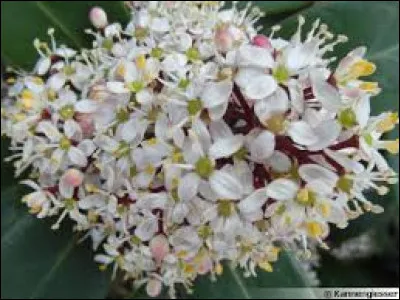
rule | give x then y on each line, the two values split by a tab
39	263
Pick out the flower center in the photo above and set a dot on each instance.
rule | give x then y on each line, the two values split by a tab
281	74
345	184
67	112
347	118
306	197
225	208
65	143
194	106
204	167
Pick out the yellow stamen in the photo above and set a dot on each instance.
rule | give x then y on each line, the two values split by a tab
121	70
306	197
151	142
392	146
37	80
182	254
388	123
362	68
266	266
27	99
102	268
141	62
314	229
219	269
150	169
368	86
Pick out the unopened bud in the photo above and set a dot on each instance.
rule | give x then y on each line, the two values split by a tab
98	17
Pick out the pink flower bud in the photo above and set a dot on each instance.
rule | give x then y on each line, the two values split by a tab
262	41
98	17
86	123
153	287
73	177
159	248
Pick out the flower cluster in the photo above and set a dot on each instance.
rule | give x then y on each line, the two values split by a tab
187	138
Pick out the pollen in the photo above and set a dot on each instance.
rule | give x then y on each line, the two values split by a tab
392	146
388	123
314	229
306	197
120	71
266	266
362	68
370	87
141	62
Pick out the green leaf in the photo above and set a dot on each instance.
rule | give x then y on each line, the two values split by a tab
69	19
375	25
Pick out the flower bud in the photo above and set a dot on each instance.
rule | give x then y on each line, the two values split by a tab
98	17
262	41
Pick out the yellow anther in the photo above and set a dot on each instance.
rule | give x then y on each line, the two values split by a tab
141	62
188	269
388	123
27	99
306	197
121	70
37	80
369	86
11	80
314	229
182	254
325	209
91	188
219	269
266	266
103	268
362	68
35	209
150	169
392	146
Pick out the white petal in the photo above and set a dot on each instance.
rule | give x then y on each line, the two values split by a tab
56	81
326	94
253	202
117	87
225	185
280	162
216	93
253	56
302	133
144	97
263	146
86	106
152	201
160	24
65	52
91	201
87	147
327	133
277	103
188	186
225	147
217	112
363	110
103	259
72	129
179	212
43	65
49	130
282	189
146	230
341	158
129	132
219	129
202	134
311	172
77	157
255	84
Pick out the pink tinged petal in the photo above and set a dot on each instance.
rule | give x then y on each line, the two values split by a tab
263	146
159	248
77	156
216	93
188	186
327	133
312	172
225	185
225	147
327	95
56	81
49	130
302	133
254	56
98	17
261	41
363	110
153	287
146	230
117	87
43	66
346	162
86	106
69	181
254	202
282	189
255	84
205	265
